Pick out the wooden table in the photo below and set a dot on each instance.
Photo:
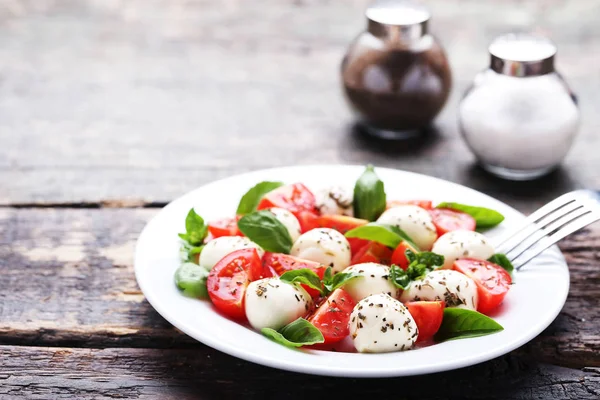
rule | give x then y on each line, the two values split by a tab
110	109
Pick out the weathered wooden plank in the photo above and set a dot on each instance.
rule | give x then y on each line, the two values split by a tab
146	100
58	373
67	279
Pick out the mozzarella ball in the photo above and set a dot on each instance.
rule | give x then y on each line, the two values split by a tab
413	220
218	248
373	279
325	246
380	324
456	289
459	244
271	303
335	201
288	220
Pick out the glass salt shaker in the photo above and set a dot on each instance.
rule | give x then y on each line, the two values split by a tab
519	117
395	75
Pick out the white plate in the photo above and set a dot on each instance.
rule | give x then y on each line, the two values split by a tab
536	298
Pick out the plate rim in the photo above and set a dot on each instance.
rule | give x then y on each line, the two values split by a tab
316	369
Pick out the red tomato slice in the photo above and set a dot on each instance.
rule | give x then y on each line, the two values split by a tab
428	315
426	204
341	223
295	197
373	252
308	220
282	263
399	255
332	316
447	220
224	227
228	279
492	281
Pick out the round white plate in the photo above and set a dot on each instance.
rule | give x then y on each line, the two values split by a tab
535	299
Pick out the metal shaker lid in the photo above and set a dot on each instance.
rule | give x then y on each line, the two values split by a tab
401	20
522	55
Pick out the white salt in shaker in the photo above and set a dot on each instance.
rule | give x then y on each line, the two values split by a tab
519	118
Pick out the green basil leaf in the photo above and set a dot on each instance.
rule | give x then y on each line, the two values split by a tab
188	252
484	217
296	334
338	280
384	234
191	278
196	229
304	275
264	229
250	200
327	276
369	195
427	258
503	261
399	277
459	323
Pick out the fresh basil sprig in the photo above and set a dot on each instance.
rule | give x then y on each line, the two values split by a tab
369	195
420	264
309	278
503	261
484	217
250	200
388	235
460	323
295	334
332	282
305	276
195	229
191	279
264	229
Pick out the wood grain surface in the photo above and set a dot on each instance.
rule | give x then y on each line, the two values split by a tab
109	109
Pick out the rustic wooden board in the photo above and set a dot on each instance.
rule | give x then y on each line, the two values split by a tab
69	279
63	373
146	100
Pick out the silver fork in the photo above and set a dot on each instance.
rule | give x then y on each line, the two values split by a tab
551	223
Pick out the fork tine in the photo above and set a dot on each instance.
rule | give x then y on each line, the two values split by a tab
573	226
532	222
549	229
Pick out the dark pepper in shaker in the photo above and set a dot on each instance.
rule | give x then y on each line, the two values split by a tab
395	75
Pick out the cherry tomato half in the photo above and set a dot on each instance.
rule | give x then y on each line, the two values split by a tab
229	278
373	252
447	220
297	199
282	263
399	255
426	204
492	281
428	315
332	316
224	227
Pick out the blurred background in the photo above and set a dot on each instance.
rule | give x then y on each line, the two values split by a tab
142	100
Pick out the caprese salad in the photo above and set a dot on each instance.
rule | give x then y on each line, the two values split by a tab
348	265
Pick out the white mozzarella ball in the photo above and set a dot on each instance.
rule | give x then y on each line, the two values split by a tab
381	324
288	220
271	303
460	244
325	246
335	201
456	289
218	248
373	279
413	220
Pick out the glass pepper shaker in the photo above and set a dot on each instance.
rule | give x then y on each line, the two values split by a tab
519	117
395	75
